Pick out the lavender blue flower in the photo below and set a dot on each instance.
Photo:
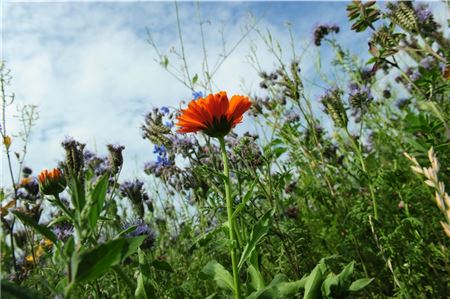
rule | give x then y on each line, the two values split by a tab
427	62
197	95
415	76
164	110
423	13
168	124
159	149
142	229
63	231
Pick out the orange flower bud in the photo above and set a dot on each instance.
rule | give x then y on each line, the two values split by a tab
51	182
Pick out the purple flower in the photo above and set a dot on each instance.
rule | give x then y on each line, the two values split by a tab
133	190
142	229
415	76
423	13
88	156
63	231
323	30
427	62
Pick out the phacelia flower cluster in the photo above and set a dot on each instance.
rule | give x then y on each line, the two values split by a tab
323	30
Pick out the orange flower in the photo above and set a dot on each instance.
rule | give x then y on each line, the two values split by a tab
215	115
51	182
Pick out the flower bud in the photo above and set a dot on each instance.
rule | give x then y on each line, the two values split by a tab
7	141
51	182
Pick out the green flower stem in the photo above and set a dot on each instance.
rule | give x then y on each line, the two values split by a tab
364	169
231	224
69	214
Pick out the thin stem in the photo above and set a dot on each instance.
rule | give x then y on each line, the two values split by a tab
358	151
226	172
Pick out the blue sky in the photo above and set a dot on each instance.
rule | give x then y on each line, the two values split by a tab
92	73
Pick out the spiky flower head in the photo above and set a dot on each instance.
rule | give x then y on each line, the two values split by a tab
334	107
74	162
115	157
134	191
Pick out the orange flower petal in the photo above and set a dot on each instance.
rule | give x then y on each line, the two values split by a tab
214	114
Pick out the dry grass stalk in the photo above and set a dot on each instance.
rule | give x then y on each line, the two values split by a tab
431	175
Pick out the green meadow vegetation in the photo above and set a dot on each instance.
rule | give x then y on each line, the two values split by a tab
341	195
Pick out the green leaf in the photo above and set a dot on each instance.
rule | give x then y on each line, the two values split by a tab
359	284
98	194
77	193
244	201
126	231
165	62
314	282
346	273
43	230
162	265
10	290
145	288
270	291
256	278
329	283
279	288
258	232
97	261
206	238
63	218
69	247
195	79
217	272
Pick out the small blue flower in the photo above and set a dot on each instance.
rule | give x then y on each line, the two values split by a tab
168	124
164	110
163	161
197	95
160	150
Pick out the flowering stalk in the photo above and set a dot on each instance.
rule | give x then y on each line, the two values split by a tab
232	233
216	116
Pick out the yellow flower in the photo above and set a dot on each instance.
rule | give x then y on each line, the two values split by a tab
7	141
